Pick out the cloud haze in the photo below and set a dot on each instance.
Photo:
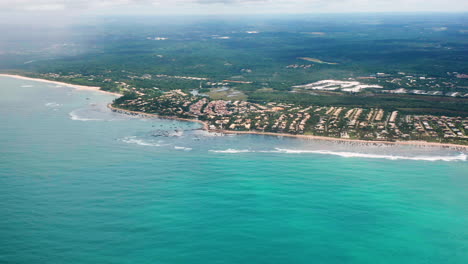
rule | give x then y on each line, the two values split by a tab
231	6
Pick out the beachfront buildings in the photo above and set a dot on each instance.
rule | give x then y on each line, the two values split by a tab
331	121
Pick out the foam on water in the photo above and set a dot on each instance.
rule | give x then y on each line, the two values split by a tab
96	112
53	105
347	154
461	157
182	148
232	151
74	116
177	133
113	181
141	142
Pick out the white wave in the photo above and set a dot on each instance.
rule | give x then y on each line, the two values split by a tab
182	148
461	157
74	116
177	133
53	105
232	151
134	140
26	86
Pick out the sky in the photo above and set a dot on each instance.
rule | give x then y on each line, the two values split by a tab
96	7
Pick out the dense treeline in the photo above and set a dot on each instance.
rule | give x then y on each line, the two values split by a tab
194	50
124	51
407	104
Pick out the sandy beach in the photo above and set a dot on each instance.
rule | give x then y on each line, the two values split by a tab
308	137
312	137
78	87
206	125
136	113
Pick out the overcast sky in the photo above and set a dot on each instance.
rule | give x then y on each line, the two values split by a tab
228	6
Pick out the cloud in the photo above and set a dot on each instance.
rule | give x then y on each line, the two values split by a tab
52	5
229	1
232	6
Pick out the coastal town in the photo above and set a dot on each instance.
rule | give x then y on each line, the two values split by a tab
224	108
373	124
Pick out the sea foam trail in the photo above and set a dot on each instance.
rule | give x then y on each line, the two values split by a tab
53	105
75	116
461	157
182	148
232	151
134	140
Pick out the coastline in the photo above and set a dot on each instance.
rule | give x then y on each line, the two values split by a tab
309	137
142	114
75	86
312	137
206	125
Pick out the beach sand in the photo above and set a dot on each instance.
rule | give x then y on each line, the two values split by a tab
312	137
78	87
206	125
136	113
309	137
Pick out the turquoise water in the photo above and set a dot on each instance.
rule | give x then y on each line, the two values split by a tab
79	184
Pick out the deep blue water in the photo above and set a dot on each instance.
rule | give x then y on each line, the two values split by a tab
79	184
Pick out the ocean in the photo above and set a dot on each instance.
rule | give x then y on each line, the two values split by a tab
81	184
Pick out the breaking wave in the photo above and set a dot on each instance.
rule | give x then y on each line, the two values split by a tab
182	148
176	133
232	151
460	157
135	140
53	105
75	116
26	86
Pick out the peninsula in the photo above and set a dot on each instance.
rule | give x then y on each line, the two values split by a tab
319	122
339	123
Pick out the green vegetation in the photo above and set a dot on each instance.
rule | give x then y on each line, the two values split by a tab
404	103
219	57
331	121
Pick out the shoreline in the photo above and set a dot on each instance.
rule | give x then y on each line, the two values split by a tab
312	137
75	86
136	113
206	125
309	137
